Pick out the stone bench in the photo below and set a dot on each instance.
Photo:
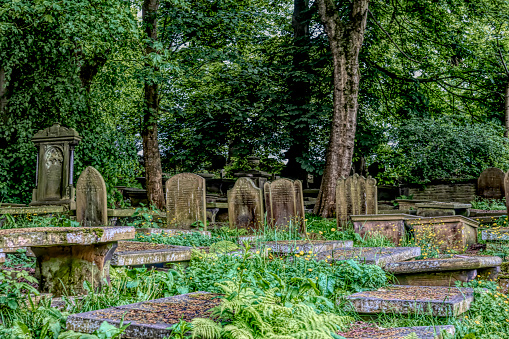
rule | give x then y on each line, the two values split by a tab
132	253
66	257
371	255
444	271
400	299
149	319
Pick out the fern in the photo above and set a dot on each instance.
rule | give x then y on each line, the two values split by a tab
205	328
223	247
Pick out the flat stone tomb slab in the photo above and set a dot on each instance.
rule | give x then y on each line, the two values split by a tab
372	255
391	226
315	246
149	319
401	299
66	257
495	234
445	271
133	253
170	231
422	332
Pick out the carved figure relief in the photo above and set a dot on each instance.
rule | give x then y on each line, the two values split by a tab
53	162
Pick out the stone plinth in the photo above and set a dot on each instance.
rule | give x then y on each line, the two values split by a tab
448	233
445	271
391	226
131	253
315	246
437	209
150	319
66	257
399	299
422	332
495	234
372	255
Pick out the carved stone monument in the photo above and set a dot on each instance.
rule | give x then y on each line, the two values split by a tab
355	195
284	202
185	201
55	166
245	205
91	198
490	184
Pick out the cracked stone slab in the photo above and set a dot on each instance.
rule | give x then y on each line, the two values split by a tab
63	236
315	246
148	320
130	253
372	255
457	262
495	234
402	299
422	332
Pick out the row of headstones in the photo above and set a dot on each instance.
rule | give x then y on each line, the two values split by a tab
284	204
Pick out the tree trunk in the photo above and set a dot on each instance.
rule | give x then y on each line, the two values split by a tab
506	110
300	95
345	40
151	155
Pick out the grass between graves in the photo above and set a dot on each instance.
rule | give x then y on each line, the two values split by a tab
300	291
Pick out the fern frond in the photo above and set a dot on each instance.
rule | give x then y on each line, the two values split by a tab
205	328
311	335
233	332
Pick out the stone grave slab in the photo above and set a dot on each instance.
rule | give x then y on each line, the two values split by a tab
448	233
185	201
91	198
68	256
422	332
444	271
170	231
35	210
284	203
400	299
355	195
495	234
438	209
149	319
391	226
134	253
245	206
490	184
371	255
315	246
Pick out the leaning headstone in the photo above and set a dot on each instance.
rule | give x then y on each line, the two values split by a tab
284	202
185	201
91	199
490	184
55	165
245	205
355	195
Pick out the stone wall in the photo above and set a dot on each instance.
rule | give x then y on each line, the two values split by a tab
458	192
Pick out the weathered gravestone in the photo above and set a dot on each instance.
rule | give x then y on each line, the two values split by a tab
245	205
91	200
506	187
284	202
490	184
355	195
55	165
185	201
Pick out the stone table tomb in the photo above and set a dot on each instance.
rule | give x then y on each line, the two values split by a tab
391	226
371	255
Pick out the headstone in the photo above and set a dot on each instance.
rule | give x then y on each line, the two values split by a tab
91	198
55	165
355	195
490	184
284	202
185	201
506	187
245	205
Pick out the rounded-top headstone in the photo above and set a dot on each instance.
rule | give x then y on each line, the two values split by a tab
185	201
91	198
490	184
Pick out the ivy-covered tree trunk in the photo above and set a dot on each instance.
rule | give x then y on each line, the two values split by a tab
345	34
151	155
300	94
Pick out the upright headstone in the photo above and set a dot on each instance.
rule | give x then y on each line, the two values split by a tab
506	186
284	202
245	205
91	198
55	165
185	201
355	195
490	184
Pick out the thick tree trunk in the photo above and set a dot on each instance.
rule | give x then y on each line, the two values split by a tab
151	155
300	95
345	40
506	110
